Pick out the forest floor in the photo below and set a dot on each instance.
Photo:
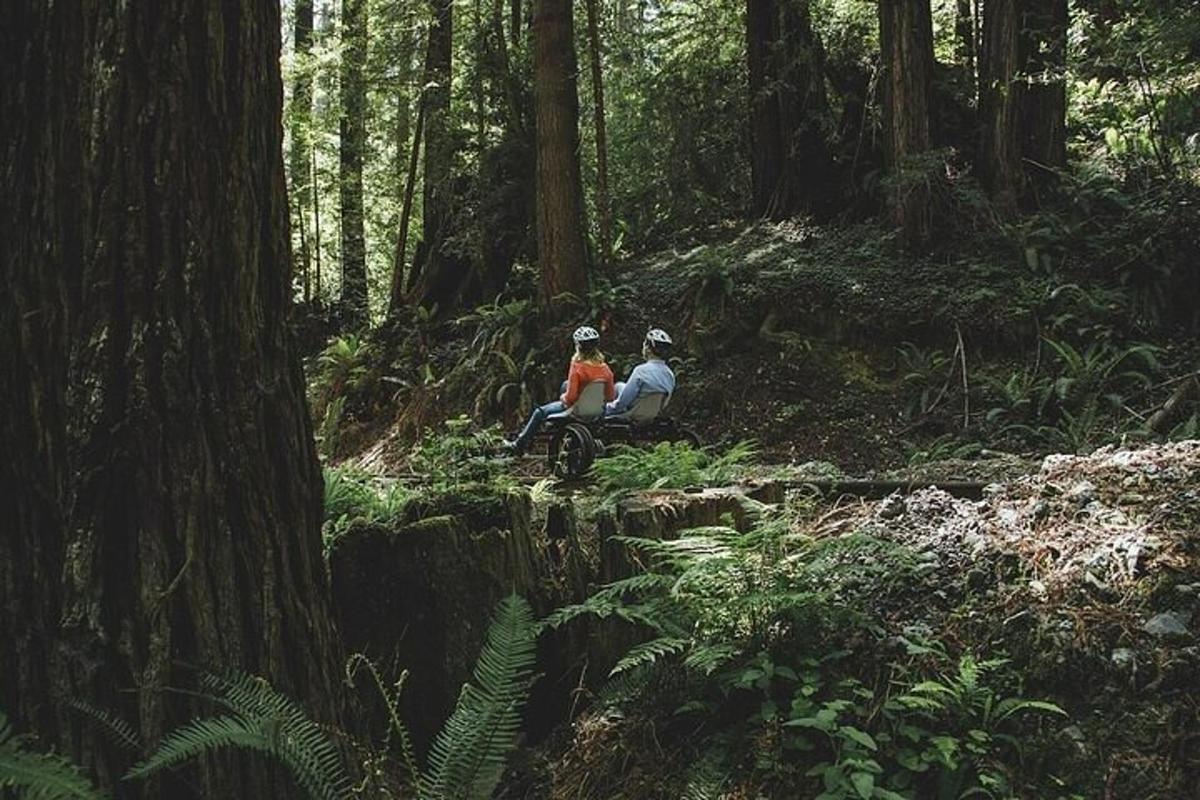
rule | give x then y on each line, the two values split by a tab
804	340
1081	572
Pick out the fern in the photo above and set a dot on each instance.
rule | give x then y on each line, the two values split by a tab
468	756
650	652
260	719
39	776
118	730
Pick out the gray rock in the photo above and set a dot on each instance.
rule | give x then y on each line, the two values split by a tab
1168	623
1082	493
892	507
1124	659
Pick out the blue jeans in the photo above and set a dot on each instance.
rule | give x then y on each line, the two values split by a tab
536	419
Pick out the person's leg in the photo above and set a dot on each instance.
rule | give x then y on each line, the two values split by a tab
535	423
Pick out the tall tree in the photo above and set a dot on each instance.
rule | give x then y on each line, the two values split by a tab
352	149
1022	97
603	207
163	486
906	42
438	275
562	257
300	124
789	108
964	34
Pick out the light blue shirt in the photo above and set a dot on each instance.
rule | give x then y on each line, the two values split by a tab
652	377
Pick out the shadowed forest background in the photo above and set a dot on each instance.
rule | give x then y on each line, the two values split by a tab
279	278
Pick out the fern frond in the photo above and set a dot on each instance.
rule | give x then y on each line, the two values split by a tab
119	731
391	701
39	776
468	756
625	688
649	653
262	720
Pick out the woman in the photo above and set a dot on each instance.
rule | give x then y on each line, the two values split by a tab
587	365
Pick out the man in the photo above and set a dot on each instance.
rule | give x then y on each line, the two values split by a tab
651	377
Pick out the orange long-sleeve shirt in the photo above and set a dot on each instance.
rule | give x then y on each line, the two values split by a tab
584	372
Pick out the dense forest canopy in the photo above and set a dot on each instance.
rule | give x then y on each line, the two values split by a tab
902	502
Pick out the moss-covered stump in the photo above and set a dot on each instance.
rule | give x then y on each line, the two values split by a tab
419	596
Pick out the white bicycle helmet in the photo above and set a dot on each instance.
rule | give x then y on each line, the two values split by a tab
585	333
658	336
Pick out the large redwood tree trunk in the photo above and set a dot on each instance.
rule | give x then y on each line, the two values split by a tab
438	275
906	42
352	149
790	163
562	256
300	114
1022	98
164	487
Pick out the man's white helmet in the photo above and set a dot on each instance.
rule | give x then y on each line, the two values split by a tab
658	336
585	333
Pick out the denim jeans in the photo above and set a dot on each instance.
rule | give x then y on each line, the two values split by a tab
535	422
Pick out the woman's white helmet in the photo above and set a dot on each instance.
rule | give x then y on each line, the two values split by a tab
584	334
657	336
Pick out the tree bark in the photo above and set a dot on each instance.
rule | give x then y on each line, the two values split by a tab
562	258
1022	98
300	123
396	301
906	41
964	33
165	495
790	162
603	208
352	149
438	275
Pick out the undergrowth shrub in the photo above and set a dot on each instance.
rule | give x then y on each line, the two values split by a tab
36	775
745	634
669	465
469	754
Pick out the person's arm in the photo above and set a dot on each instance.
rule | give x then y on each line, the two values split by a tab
628	395
574	385
610	390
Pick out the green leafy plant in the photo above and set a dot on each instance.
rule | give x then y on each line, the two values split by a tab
39	776
669	465
343	367
458	455
468	756
258	718
955	724
925	377
355	496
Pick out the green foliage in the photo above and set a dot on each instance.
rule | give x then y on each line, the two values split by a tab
343	367
924	376
669	465
461	454
468	756
38	776
355	496
261	719
742	631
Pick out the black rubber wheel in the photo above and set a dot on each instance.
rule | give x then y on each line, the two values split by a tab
572	451
684	434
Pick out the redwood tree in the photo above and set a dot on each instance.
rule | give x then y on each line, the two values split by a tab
1022	98
164	493
300	123
562	257
790	162
435	277
352	148
906	42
